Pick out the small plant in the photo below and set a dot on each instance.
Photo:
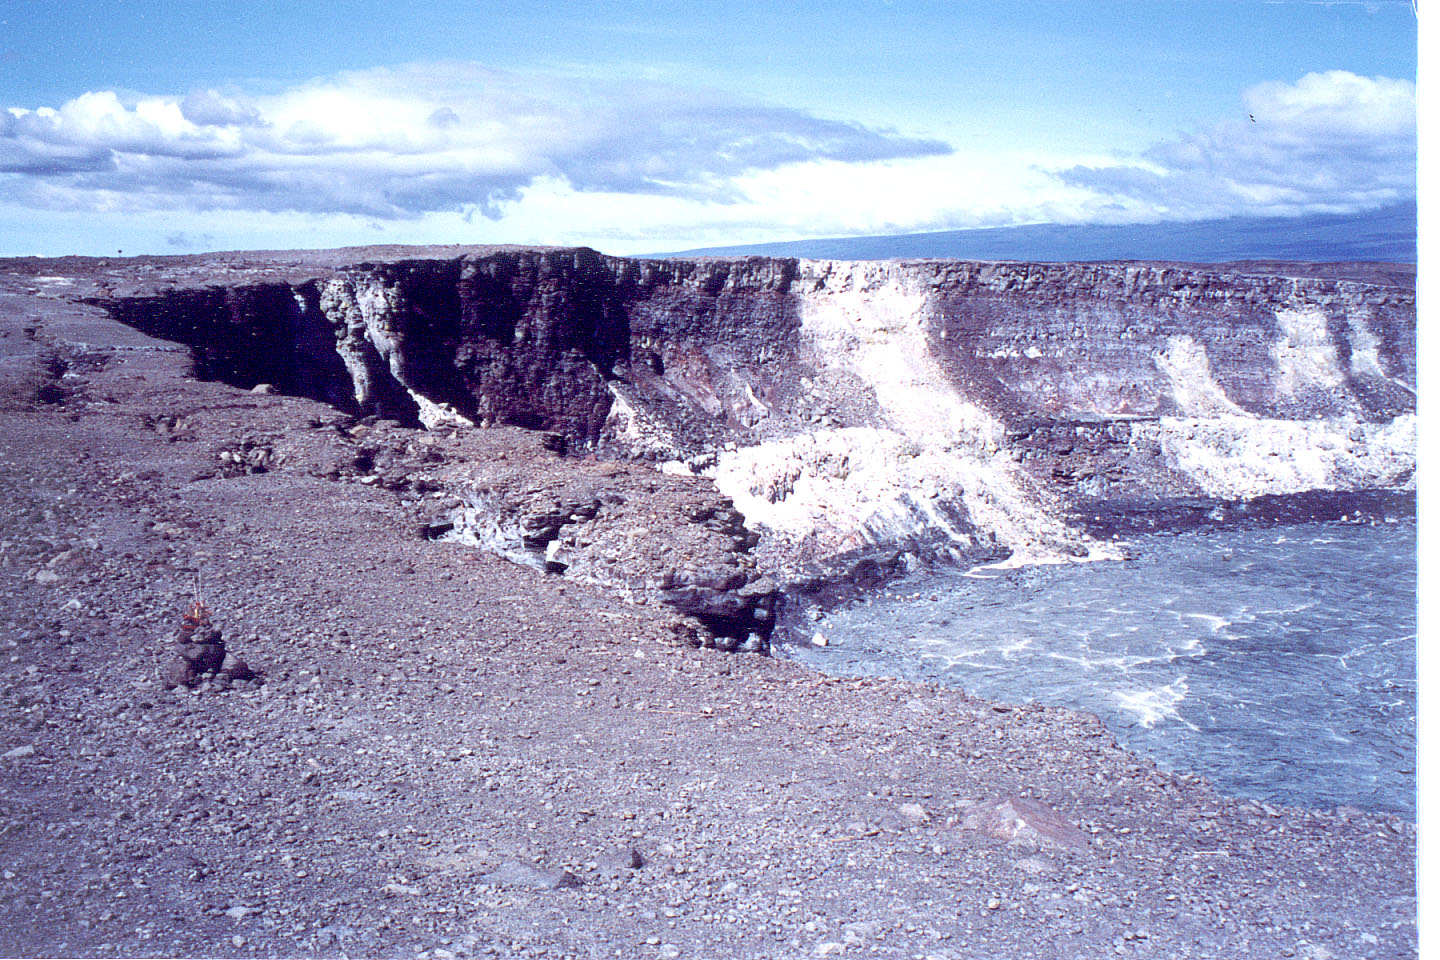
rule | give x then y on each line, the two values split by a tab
196	617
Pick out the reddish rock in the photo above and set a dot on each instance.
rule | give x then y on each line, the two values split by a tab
1027	823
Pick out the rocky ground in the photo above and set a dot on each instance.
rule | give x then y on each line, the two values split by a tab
449	754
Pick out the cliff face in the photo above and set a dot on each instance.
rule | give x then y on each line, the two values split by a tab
855	410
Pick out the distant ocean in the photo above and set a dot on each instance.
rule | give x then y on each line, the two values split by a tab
1386	235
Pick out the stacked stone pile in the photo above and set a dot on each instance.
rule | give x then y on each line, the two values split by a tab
201	655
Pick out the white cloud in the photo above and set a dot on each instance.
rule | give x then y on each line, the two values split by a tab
405	142
458	153
815	199
1331	141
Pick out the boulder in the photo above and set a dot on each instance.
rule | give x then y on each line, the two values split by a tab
1026	823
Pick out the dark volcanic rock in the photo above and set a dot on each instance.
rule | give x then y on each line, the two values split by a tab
857	418
855	414
433	711
203	657
680	544
200	648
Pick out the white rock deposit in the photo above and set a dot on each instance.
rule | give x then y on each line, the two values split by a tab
933	465
983	410
1239	458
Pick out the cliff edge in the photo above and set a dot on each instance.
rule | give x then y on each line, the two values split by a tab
857	415
445	754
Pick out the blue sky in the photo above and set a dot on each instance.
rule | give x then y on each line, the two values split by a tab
640	126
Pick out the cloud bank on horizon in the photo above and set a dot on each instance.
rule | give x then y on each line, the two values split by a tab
400	143
457	151
1332	142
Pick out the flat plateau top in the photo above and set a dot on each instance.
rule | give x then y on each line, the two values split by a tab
292	265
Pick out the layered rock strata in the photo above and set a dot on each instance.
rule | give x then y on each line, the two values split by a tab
853	413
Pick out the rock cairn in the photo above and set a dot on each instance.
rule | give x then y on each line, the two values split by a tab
201	655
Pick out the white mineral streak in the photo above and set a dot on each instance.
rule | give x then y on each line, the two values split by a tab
1240	458
1365	353
478	525
368	314
1192	385
892	481
642	434
755	409
843	489
1305	357
337	302
433	415
377	305
1231	454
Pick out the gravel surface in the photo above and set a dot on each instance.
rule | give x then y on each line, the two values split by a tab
450	755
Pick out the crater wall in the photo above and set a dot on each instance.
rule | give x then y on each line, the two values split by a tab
858	412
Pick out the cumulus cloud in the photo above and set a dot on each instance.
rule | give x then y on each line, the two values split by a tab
208	108
1331	141
399	143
